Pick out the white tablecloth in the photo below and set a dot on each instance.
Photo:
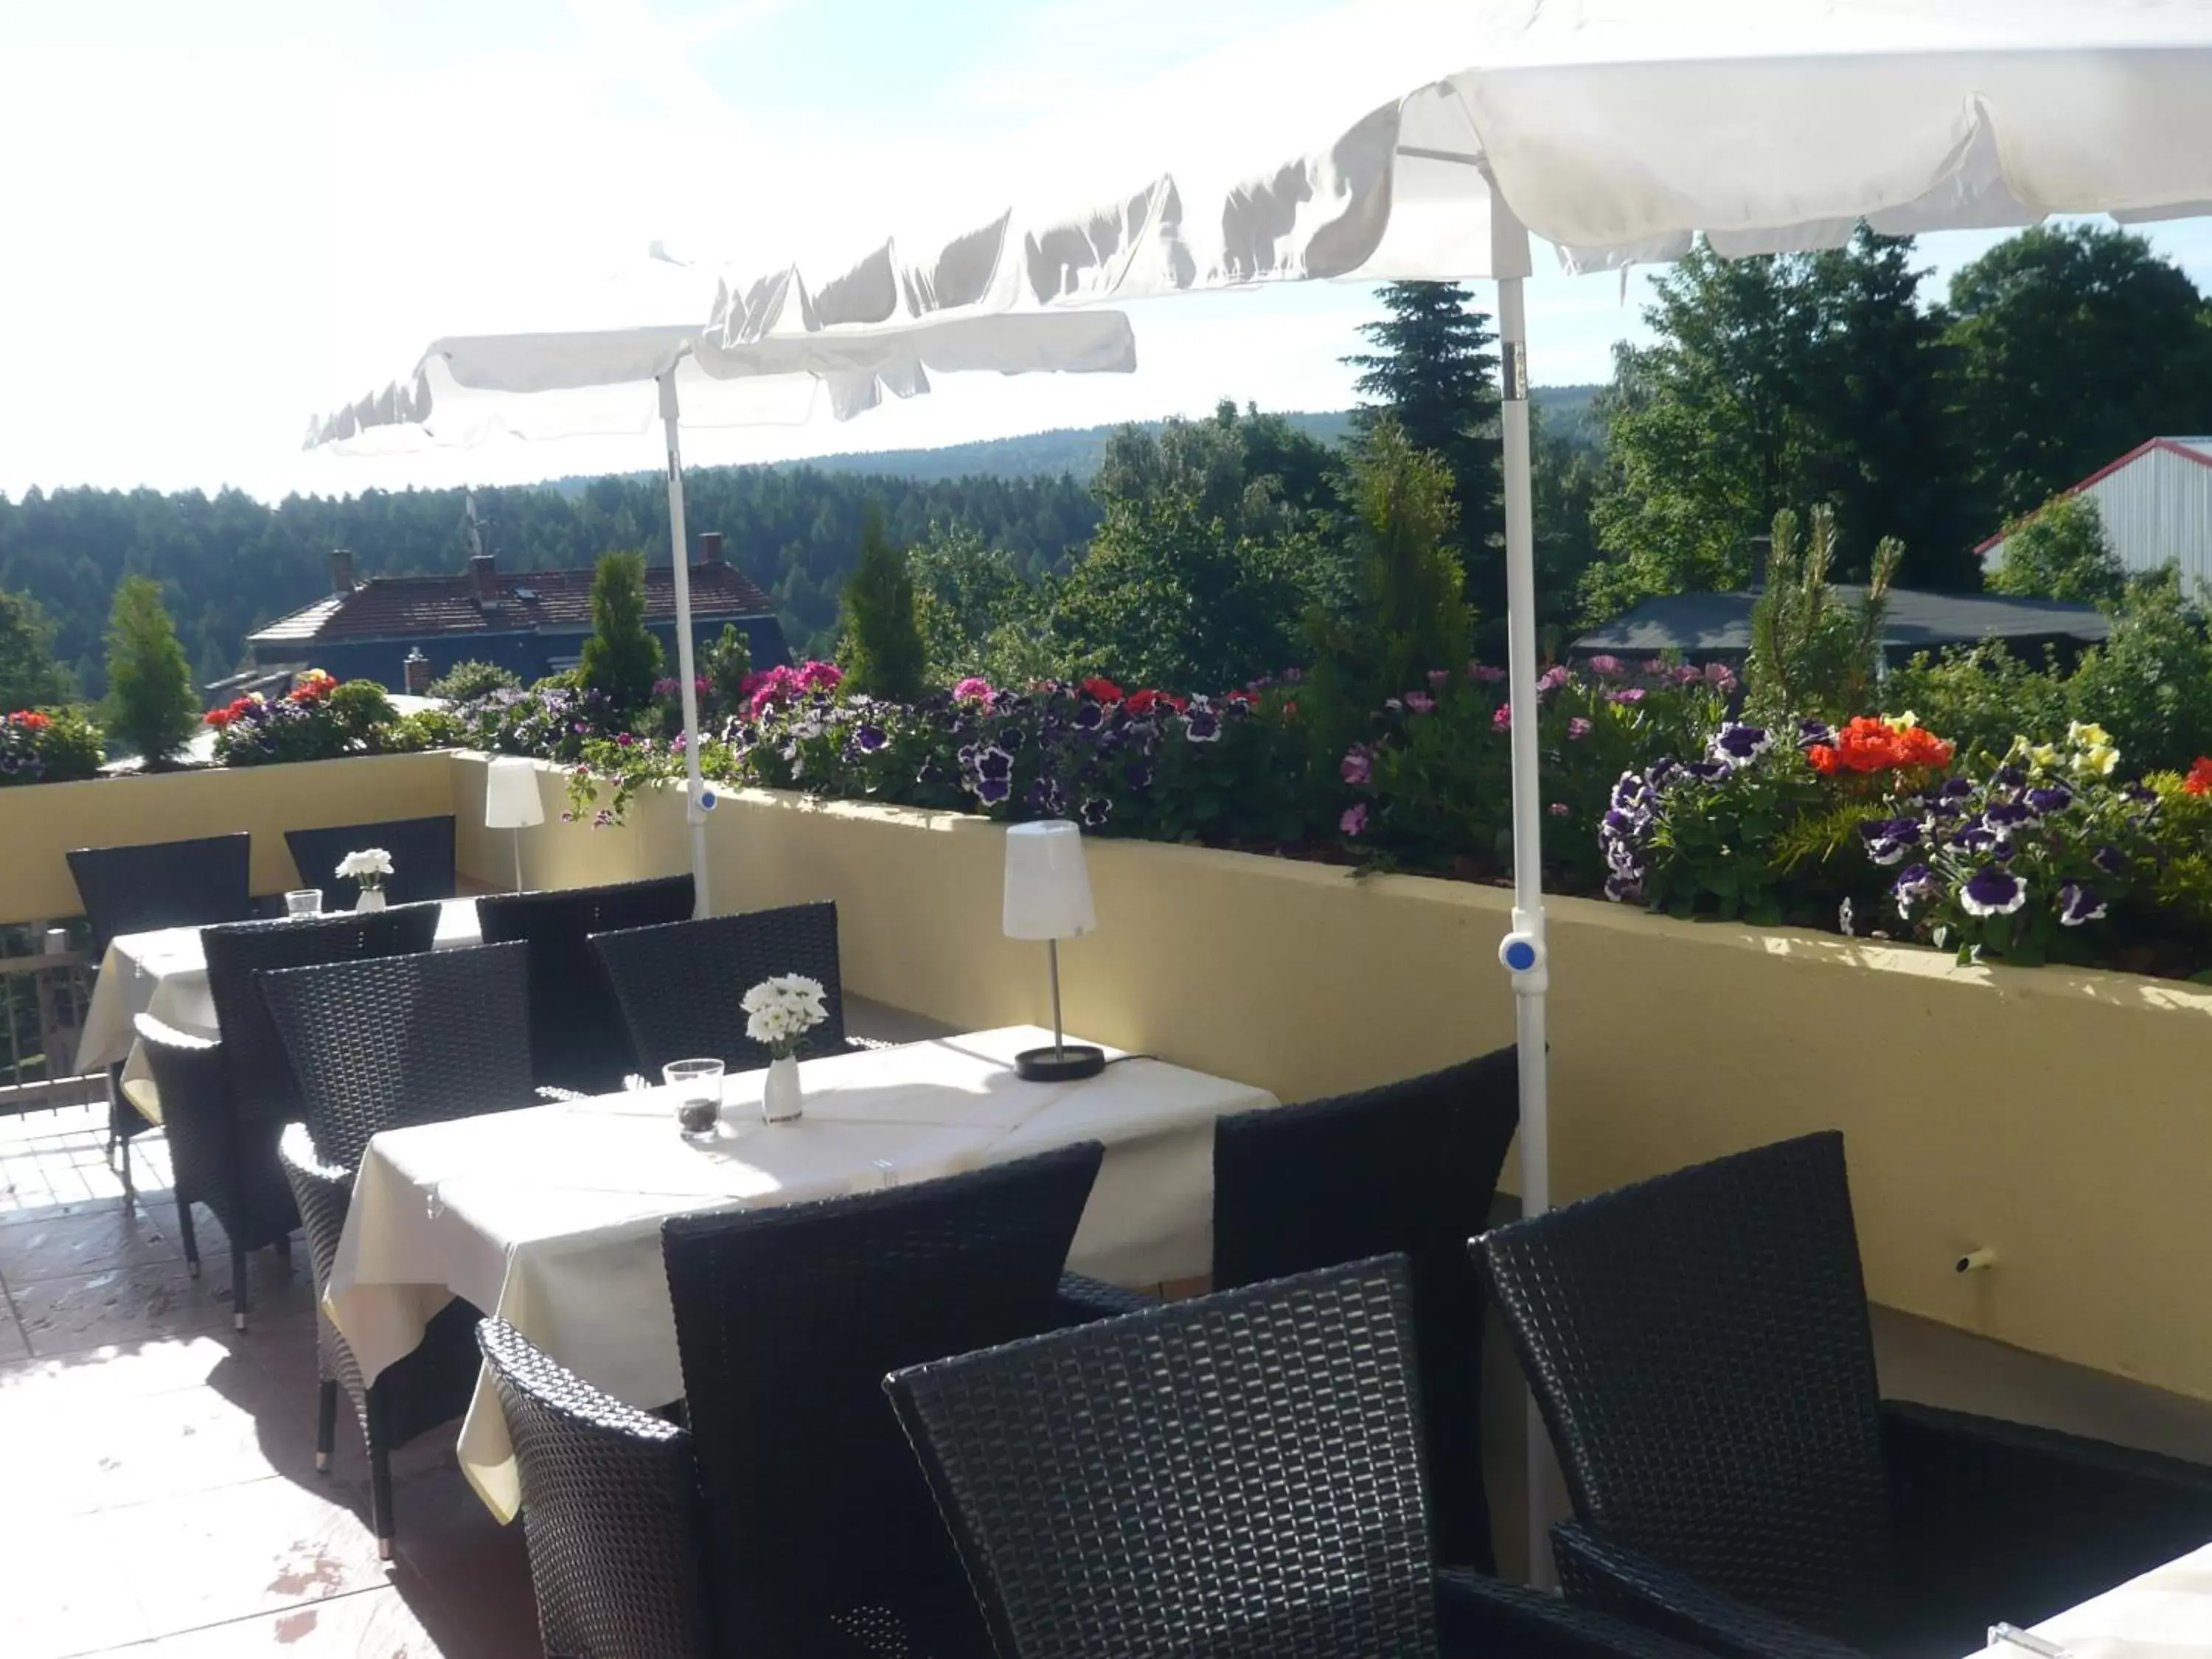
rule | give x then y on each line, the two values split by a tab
550	1216
164	974
2164	1615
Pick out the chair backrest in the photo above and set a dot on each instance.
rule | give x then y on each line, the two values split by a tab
163	884
609	1508
256	1069
820	1531
395	1041
1700	1348
1234	1477
422	858
681	985
1409	1168
575	1028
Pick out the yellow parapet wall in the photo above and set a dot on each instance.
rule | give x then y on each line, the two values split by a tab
2060	1121
40	823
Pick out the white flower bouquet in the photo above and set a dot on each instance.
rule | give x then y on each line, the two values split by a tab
782	1011
369	866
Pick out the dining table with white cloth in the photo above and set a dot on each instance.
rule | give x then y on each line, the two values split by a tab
164	973
2166	1614
549	1217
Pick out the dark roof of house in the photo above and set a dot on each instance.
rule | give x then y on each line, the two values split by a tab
1720	623
424	607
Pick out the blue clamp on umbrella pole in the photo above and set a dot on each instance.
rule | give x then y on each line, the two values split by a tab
1523	955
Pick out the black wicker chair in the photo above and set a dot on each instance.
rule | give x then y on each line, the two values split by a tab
680	985
1411	1167
609	1508
224	1105
163	884
821	1538
1235	1477
383	1045
577	1033
1701	1347
422	860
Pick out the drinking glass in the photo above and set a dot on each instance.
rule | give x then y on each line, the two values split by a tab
698	1086
304	901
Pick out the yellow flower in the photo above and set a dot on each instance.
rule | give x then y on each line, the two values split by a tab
2046	755
2099	760
2087	737
1903	723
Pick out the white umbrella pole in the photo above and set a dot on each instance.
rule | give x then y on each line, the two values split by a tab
696	800
1522	950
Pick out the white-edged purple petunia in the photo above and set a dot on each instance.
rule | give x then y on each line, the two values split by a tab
1992	890
1916	885
2078	903
1737	743
1887	841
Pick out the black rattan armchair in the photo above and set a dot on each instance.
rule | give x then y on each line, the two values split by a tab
680	985
136	889
1235	1477
1409	1168
609	1508
1701	1347
383	1045
224	1105
577	1033
821	1537
422	858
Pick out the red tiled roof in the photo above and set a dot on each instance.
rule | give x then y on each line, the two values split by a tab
412	607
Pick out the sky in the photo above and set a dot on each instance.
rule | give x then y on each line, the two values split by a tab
222	219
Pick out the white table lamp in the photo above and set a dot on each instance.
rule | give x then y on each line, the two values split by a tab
1048	898
511	802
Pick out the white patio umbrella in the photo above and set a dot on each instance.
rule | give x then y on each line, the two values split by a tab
472	389
1619	130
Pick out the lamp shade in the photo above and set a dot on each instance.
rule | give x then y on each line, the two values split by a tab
1047	888
511	799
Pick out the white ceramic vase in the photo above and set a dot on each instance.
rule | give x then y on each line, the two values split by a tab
780	1101
372	898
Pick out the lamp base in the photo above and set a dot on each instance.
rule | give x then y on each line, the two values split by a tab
1066	1064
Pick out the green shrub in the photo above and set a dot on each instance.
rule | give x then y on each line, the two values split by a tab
2059	552
151	705
881	652
1981	697
466	680
622	659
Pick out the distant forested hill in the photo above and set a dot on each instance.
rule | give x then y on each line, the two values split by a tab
229	563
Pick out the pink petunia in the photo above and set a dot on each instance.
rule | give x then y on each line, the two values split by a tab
1486	673
1359	765
1440	677
1420	702
1354	821
1578	727
1606	668
1502	720
1558	809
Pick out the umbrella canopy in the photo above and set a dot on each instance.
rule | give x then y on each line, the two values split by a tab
1621	131
776	362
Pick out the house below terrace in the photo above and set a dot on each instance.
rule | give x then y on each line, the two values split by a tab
405	631
1717	627
2156	505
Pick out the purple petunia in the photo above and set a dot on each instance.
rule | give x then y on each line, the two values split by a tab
870	737
1992	891
1709	771
1810	733
1137	775
1736	743
1095	811
2006	817
1090	717
2078	904
993	763
2110	859
1887	839
1915	884
2043	802
992	791
1202	726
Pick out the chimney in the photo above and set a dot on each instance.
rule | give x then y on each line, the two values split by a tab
341	570
710	547
484	566
417	673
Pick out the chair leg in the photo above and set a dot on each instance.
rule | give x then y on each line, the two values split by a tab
284	1252
130	1193
186	1236
326	1424
241	1288
379	1477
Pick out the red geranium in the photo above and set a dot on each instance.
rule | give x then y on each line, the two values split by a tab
1102	690
1870	745
30	720
311	687
2199	781
1140	703
1240	696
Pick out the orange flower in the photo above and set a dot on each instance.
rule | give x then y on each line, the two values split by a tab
2199	781
1867	746
30	720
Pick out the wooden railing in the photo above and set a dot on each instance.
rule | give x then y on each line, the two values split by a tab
44	984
